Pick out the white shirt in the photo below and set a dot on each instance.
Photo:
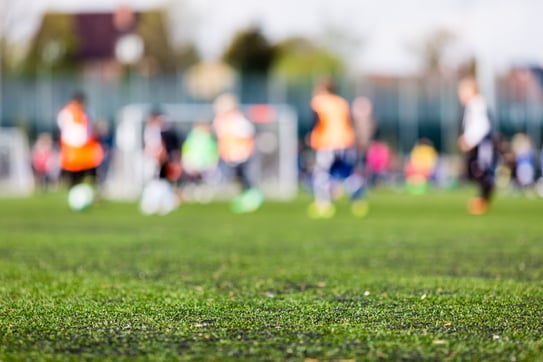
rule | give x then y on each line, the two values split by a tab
152	138
235	124
72	133
476	123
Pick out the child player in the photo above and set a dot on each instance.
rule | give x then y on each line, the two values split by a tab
476	142
236	144
333	139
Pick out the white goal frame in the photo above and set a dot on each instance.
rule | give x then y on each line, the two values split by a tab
16	177
126	177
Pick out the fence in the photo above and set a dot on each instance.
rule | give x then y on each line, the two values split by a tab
406	109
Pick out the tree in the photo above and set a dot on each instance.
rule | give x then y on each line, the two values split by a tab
158	48
433	48
341	42
58	46
250	52
54	46
301	57
12	15
187	56
182	22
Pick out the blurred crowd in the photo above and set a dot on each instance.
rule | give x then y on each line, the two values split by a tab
225	145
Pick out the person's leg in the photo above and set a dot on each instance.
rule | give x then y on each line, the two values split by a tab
355	183
472	166
356	186
73	177
486	185
92	175
102	170
486	158
353	180
250	199
479	205
321	176
242	174
163	171
482	173
322	207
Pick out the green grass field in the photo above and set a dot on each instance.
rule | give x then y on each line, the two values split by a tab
419	279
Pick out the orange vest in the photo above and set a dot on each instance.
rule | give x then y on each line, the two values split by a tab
235	136
78	151
333	130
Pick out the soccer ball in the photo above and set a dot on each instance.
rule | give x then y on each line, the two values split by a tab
249	201
158	197
80	197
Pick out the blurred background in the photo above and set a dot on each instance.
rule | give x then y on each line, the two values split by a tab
404	56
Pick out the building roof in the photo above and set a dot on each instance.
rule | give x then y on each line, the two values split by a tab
97	35
67	41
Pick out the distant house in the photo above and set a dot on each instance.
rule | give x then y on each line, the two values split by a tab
103	43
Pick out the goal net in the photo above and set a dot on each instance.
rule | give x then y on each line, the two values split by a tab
16	177
273	167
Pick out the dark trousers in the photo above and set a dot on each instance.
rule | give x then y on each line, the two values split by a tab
75	177
480	167
337	165
241	172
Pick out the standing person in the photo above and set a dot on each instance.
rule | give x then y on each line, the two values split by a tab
162	146
105	139
378	162
45	163
236	144
421	166
476	142
524	161
333	139
80	152
364	122
163	165
199	153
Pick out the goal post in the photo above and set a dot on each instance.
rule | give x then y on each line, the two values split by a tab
274	166
16	178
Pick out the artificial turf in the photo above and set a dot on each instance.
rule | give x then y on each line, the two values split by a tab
418	279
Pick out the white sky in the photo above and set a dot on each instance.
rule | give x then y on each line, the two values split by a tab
503	31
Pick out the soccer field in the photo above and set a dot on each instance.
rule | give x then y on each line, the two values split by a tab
418	279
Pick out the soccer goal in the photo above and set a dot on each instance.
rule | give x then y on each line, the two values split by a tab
16	177
274	166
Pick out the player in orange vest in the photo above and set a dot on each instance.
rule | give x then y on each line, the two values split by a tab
236	144
80	153
333	139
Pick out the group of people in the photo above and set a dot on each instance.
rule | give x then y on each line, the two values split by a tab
341	138
228	139
80	152
84	152
517	170
339	155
